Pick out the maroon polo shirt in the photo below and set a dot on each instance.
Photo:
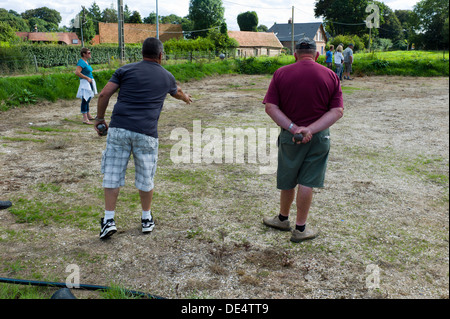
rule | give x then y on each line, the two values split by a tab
304	91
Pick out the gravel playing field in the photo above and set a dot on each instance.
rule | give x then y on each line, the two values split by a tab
383	214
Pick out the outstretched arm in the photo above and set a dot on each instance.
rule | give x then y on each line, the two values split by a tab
180	95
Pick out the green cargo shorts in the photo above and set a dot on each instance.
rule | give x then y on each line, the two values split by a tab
303	164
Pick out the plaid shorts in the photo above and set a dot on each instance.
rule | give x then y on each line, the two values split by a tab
120	144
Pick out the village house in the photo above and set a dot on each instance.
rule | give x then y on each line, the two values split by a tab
69	38
314	30
136	32
256	43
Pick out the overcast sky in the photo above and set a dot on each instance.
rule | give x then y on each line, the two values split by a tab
268	11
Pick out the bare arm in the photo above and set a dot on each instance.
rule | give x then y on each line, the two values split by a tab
279	117
180	95
324	122
327	120
80	75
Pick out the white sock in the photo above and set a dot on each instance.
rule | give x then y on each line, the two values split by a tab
147	214
109	214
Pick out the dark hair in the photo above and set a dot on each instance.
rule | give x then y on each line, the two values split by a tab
152	48
84	51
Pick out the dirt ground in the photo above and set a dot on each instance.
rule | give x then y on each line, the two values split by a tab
383	214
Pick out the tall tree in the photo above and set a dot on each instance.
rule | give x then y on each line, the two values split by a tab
44	13
109	15
135	17
14	20
390	27
248	21
7	33
95	14
429	17
206	14
343	16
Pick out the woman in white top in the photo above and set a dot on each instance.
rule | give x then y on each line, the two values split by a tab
339	61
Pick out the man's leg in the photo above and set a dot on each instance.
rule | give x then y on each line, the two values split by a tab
147	220
146	199
107	224
304	199
286	200
111	195
281	221
301	231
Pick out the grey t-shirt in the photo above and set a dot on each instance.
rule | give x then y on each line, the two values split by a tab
143	87
347	54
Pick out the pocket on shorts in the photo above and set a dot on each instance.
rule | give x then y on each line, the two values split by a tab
285	138
324	141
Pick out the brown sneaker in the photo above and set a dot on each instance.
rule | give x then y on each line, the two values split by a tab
275	222
308	233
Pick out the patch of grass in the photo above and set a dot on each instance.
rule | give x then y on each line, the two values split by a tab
22	139
51	129
11	291
430	169
48	212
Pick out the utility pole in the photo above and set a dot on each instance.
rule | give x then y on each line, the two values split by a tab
121	32
81	28
292	32
157	21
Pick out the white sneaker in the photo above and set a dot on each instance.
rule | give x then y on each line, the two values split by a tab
107	228
147	225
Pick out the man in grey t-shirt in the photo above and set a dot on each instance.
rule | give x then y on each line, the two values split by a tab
348	61
133	129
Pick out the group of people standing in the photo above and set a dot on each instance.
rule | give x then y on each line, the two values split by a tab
343	60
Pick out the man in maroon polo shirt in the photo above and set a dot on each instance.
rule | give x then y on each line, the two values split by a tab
304	97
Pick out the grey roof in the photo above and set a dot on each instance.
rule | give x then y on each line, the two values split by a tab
283	30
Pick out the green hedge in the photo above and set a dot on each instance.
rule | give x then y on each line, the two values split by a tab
23	56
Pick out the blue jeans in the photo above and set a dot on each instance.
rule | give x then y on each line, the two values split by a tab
339	70
85	104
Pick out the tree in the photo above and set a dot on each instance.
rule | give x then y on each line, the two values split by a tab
263	28
151	19
7	33
110	15
248	21
343	16
49	15
429	19
88	26
95	14
14	20
446	33
405	19
40	25
126	14
206	14
390	27
135	18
